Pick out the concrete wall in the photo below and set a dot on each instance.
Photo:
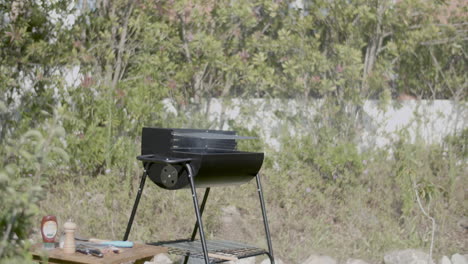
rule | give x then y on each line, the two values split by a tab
429	121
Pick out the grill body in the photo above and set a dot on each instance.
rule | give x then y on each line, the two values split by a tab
214	157
193	158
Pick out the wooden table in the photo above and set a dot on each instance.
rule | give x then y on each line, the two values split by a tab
139	253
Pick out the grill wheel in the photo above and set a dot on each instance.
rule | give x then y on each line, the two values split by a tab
169	176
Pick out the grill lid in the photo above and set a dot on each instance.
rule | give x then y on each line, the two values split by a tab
208	140
210	135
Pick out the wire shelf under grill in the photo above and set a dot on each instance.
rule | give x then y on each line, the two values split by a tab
219	247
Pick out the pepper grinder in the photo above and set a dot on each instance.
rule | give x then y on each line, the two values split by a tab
69	246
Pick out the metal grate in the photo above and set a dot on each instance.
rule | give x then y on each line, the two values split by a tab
194	249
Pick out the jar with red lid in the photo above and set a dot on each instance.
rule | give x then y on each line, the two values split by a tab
49	230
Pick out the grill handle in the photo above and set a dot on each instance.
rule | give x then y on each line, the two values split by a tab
156	159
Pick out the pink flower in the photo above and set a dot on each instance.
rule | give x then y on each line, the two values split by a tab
339	68
244	55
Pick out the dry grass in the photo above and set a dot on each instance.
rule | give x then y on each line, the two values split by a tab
361	218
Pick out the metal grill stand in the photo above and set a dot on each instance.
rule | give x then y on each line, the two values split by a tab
192	247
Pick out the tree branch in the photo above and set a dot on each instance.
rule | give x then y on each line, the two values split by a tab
442	41
184	39
7	232
121	47
428	216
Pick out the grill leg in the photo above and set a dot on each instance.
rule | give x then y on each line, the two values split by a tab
197	212
202	208
265	220
137	201
195	229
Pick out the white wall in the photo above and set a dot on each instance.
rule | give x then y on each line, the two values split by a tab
429	121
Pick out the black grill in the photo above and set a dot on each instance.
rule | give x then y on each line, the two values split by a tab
212	154
193	158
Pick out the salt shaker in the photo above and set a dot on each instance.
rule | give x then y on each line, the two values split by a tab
69	246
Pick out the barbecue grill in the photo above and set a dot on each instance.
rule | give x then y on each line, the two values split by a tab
192	158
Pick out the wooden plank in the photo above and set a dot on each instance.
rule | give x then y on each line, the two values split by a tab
138	252
223	257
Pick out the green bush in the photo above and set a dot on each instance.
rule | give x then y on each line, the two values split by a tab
28	162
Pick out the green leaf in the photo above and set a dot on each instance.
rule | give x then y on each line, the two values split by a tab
33	134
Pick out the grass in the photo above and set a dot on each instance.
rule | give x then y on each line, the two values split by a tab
358	215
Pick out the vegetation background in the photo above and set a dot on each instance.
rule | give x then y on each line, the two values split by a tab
68	147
